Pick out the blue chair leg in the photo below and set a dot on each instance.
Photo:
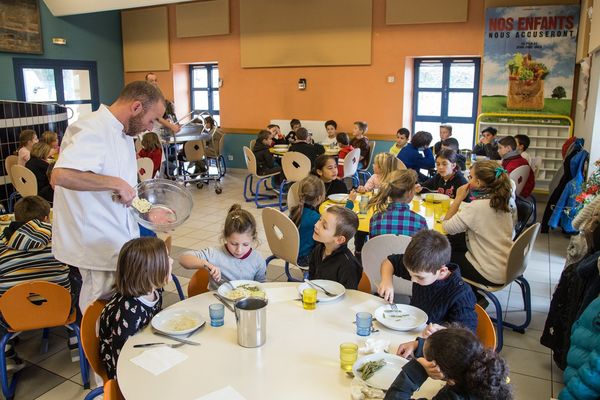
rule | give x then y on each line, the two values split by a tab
44	344
526	291
258	197
11	201
178	286
94	393
8	388
281	193
498	320
289	274
248	183
83	364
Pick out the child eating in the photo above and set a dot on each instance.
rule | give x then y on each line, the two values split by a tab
448	177
331	259
235	259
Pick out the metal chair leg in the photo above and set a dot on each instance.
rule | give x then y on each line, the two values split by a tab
94	393
526	291
178	286
83	364
8	388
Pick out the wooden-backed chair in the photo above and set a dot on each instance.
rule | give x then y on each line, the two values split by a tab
365	284
145	166
199	282
24	181
378	249
8	164
485	328
91	343
296	166
516	264
31	306
283	238
293	197
257	197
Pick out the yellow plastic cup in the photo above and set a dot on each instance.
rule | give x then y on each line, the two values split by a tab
348	355
445	205
309	298
416	204
438	211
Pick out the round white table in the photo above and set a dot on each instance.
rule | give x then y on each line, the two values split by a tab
300	359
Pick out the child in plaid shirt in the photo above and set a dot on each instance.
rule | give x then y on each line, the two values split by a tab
396	217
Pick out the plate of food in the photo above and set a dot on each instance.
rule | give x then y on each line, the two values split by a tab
177	321
331	286
6	219
400	318
241	289
338	198
435	197
379	370
281	146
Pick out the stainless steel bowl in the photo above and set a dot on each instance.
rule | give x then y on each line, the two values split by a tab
162	193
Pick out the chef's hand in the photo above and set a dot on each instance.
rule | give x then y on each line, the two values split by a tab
215	272
124	193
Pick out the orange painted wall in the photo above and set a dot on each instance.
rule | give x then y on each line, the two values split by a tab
251	97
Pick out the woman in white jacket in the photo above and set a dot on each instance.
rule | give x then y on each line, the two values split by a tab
481	233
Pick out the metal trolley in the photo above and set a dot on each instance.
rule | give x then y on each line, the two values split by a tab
186	160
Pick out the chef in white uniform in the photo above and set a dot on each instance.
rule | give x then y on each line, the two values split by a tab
94	178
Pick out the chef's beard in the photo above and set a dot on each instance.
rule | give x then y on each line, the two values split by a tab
135	125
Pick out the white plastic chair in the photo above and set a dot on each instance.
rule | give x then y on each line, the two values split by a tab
145	166
516	263
376	250
536	164
283	238
296	166
364	173
519	176
351	166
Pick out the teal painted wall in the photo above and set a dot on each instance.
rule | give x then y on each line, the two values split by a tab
90	37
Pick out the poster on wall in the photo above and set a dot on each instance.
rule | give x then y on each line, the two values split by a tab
529	59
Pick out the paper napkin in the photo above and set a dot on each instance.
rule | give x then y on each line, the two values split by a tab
159	359
227	393
373	345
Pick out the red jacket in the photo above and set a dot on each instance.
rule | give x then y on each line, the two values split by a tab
155	155
512	163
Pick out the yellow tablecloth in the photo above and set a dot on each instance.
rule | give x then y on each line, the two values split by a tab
425	209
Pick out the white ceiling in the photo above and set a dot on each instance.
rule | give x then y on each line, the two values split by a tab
61	8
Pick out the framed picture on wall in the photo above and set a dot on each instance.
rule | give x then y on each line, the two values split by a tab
20	27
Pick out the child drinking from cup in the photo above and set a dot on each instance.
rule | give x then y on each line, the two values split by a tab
383	164
395	216
143	268
456	356
448	177
311	193
235	259
331	259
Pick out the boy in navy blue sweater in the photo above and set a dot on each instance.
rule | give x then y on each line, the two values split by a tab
438	288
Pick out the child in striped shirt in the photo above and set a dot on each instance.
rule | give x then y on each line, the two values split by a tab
396	216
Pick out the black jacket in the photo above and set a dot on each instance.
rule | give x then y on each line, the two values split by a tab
264	158
335	186
449	187
312	151
489	150
340	266
39	168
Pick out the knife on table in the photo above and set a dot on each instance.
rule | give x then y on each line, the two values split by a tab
180	340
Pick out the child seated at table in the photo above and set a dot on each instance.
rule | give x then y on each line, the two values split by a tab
143	269
402	137
392	206
27	138
331	259
51	139
276	134
448	177
417	155
343	141
265	162
327	170
481	233
360	141
512	159
438	288
152	149
383	165
311	193
38	164
522	146
452	144
234	259
456	356
291	136
330	127
302	145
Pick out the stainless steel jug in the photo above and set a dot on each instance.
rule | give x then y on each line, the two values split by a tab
251	317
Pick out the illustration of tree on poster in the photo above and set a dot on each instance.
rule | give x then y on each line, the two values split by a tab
529	59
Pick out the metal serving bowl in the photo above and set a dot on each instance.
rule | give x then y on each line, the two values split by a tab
162	193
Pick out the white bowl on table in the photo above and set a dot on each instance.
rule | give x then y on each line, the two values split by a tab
435	197
338	198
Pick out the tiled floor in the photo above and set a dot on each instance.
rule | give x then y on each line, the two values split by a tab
53	376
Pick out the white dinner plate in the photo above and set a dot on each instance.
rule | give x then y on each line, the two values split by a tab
406	318
167	320
224	290
332	286
435	197
281	146
383	378
282	150
338	198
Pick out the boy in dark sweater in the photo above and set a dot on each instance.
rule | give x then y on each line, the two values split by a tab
330	258
301	145
438	288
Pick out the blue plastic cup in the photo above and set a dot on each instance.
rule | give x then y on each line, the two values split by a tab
217	314
364	323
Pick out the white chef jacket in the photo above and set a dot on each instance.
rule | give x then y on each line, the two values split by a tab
89	228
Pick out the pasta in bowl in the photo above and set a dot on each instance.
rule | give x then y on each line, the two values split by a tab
241	289
177	321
